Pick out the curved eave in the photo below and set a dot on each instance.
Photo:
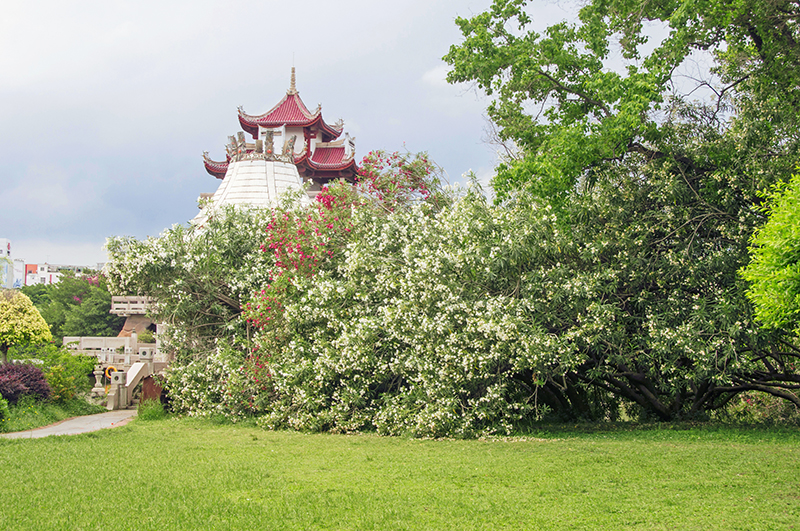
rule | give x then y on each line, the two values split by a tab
328	129
217	169
250	125
348	164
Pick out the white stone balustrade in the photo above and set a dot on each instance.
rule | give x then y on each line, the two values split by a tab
129	305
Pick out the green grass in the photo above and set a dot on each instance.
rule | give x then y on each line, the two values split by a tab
151	410
29	414
190	474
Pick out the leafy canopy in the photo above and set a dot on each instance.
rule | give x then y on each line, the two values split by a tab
20	322
654	185
77	305
774	273
568	108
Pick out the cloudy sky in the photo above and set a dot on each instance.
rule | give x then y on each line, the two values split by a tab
107	106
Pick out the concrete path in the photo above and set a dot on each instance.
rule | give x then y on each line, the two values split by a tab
85	424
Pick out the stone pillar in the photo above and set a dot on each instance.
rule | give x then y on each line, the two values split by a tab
98	390
117	395
146	355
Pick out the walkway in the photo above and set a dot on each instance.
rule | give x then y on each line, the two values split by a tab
85	424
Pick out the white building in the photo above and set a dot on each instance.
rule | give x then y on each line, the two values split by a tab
19	273
51	273
6	264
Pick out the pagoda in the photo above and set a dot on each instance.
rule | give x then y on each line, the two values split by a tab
292	148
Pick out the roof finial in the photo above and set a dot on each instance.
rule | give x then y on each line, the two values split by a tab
292	86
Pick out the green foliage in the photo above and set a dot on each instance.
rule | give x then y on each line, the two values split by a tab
146	336
4	411
20	322
569	109
774	272
77	306
66	373
38	294
151	410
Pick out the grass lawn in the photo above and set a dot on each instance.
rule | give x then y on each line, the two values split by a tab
191	474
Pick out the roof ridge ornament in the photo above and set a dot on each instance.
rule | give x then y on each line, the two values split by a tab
292	85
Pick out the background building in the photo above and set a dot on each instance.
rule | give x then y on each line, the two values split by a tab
15	273
6	264
51	273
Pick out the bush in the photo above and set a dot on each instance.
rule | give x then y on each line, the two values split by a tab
760	408
4	413
151	410
147	336
23	380
227	382
65	372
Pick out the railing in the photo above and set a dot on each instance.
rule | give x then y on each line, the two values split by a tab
129	305
120	351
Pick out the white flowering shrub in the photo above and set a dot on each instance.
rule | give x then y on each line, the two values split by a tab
198	276
431	314
420	330
225	382
475	318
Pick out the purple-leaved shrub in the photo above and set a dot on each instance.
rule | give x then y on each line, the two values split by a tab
24	379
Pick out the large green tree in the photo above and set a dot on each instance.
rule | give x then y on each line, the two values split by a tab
569	108
654	188
78	305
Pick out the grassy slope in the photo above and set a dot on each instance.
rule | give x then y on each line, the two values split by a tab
186	474
29	414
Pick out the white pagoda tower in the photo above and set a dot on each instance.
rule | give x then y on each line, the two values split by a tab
292	148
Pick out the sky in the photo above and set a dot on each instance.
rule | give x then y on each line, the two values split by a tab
107	106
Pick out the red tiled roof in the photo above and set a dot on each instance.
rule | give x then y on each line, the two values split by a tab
328	157
289	111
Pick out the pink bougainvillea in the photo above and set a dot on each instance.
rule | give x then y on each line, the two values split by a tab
303	241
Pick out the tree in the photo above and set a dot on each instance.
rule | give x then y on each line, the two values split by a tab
774	272
197	276
559	100
78	305
653	195
20	322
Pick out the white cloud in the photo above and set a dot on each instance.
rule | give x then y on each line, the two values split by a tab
437	76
